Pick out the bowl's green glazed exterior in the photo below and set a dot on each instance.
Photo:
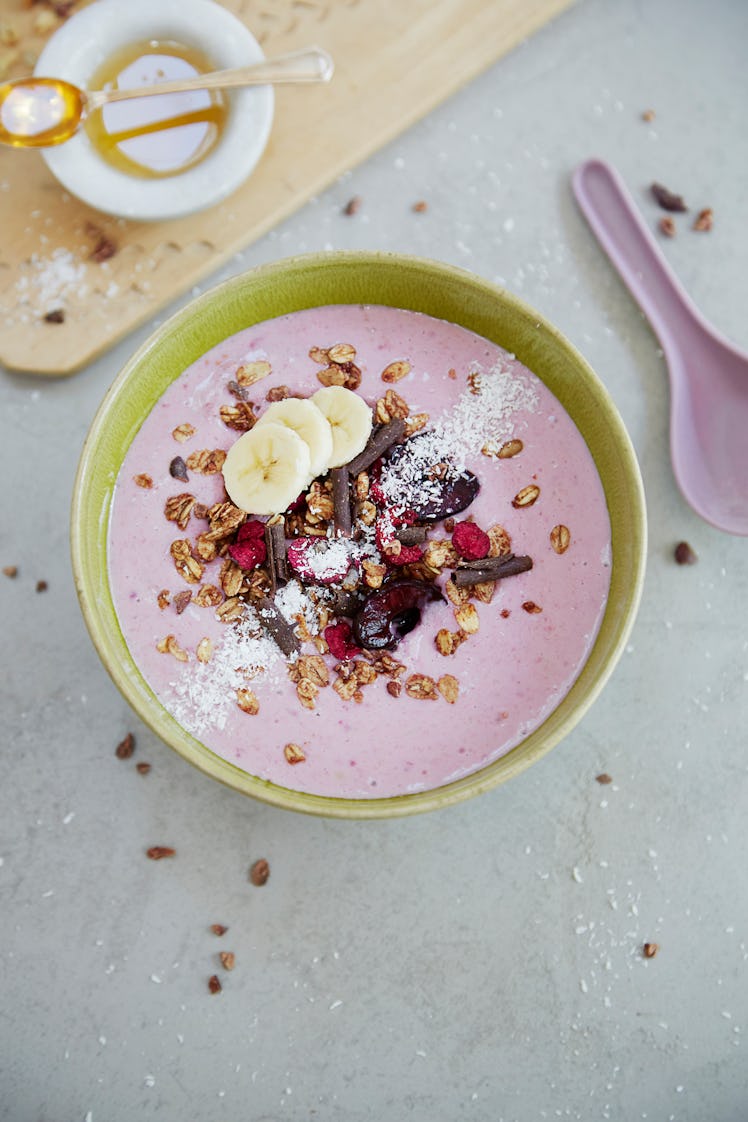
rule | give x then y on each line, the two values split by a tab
357	278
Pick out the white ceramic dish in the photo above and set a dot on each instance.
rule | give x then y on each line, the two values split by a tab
90	37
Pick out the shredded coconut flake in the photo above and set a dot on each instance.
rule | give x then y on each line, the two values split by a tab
205	694
487	411
48	282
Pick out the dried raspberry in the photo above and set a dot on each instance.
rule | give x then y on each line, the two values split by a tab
249	553
385	532
297	504
251	531
408	555
339	637
318	561
376	494
470	541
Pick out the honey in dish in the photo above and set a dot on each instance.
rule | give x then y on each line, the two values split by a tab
159	136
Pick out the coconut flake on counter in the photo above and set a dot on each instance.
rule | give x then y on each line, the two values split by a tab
47	282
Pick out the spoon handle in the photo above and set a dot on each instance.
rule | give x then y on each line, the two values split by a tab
611	212
311	64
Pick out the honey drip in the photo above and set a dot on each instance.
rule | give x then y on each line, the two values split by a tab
159	136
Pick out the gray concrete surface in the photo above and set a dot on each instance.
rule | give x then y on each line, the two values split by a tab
480	963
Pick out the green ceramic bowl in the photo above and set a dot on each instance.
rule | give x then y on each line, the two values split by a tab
368	278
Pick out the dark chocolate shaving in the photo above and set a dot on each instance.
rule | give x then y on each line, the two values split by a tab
270	560
668	200
379	442
341	498
490	568
277	627
278	535
345	603
412	535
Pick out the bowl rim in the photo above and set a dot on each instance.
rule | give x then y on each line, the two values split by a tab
92	34
629	540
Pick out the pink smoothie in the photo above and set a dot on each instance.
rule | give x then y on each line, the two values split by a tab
512	672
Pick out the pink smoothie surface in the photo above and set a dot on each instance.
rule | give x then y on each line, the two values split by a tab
512	672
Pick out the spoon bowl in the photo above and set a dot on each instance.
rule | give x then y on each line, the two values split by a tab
708	374
38	112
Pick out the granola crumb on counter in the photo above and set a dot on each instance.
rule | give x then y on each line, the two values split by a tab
259	872
126	747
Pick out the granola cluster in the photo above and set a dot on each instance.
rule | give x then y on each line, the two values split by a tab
364	573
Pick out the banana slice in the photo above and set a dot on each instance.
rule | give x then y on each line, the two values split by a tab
266	469
303	417
350	420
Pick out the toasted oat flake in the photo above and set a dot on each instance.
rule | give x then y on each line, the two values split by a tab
178	508
531	608
294	754
467	618
449	688
560	538
341	353
396	371
240	416
306	691
527	496
247	701
143	480
169	645
510	449
208	596
415	423
10	571
186	565
421	687
228	960
455	595
251	372
484	591
208	461
183	432
204	651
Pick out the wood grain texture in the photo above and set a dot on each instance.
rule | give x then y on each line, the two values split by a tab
395	61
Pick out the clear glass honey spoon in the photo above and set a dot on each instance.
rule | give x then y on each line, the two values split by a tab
40	112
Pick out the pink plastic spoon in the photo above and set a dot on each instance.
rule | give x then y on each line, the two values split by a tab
708	374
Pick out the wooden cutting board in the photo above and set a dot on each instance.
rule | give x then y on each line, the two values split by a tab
395	61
